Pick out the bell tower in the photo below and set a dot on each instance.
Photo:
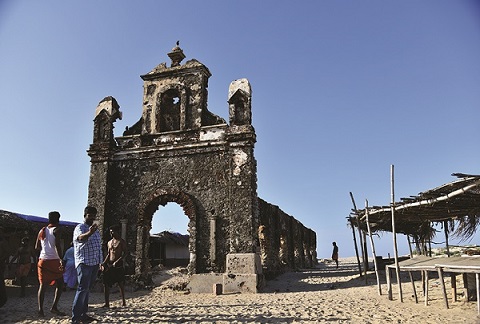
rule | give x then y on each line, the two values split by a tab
175	97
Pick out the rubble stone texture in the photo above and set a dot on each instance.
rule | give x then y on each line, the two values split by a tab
180	152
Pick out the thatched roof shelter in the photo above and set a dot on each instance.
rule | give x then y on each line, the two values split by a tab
15	226
11	223
457	203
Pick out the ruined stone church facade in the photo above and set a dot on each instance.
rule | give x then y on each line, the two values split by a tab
180	152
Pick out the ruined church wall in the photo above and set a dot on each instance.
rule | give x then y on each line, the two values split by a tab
179	152
285	243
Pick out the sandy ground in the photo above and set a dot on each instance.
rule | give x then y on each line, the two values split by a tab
320	295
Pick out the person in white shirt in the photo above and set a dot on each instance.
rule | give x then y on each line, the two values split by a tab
50	264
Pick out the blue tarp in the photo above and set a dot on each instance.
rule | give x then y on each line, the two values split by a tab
44	220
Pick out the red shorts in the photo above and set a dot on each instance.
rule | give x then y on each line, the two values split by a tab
49	271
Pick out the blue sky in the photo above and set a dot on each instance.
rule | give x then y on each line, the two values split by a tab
341	90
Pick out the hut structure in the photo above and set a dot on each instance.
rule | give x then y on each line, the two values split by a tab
169	249
455	206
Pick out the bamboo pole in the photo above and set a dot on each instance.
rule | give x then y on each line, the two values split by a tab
413	286
445	229
389	282
477	282
359	230
365	258
410	246
426	288
453	277
373	250
442	283
356	248
397	267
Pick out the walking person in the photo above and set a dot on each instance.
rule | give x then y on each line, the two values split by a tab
88	256
50	264
23	256
113	266
335	253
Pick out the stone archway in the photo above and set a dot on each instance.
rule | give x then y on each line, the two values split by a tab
147	208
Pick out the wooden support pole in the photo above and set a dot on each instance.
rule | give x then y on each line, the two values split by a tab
409	246
365	256
359	230
397	267
389	282
373	250
413	286
453	282
477	280
445	229
442	283
426	287
465	287
423	282
356	248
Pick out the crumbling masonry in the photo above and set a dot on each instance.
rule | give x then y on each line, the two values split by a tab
180	152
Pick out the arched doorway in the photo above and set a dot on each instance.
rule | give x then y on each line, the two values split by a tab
169	239
152	203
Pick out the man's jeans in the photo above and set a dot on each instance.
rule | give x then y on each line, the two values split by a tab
86	278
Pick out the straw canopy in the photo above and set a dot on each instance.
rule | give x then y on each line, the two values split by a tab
455	204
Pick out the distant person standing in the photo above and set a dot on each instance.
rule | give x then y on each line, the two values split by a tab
88	256
113	266
50	264
335	253
24	263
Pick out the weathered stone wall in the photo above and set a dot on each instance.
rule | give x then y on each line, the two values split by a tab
285	243
180	152
201	176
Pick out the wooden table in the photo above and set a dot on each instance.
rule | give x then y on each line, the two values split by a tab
463	265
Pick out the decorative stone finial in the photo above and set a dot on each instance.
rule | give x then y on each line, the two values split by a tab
176	55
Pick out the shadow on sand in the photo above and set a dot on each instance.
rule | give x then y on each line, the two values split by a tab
323	277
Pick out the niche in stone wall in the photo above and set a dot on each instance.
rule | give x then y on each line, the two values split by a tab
241	112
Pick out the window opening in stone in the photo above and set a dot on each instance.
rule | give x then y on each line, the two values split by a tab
169	242
169	111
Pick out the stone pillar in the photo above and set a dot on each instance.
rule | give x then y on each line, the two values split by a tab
124	222
213	248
